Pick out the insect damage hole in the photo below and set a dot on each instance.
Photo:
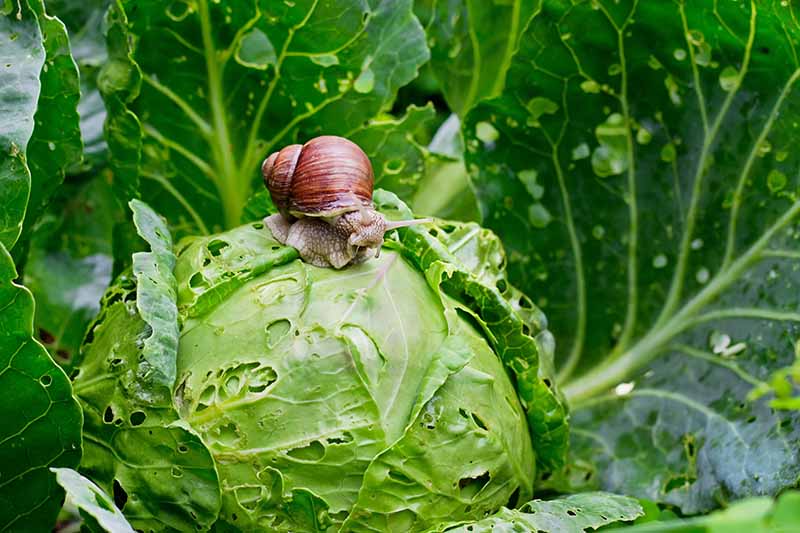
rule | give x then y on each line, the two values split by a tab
470	486
120	496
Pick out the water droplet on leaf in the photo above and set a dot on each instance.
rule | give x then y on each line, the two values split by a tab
729	79
539	216
679	54
776	181
486	132
580	152
702	275
611	157
365	81
660	261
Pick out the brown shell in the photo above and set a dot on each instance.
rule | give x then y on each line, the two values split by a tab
327	176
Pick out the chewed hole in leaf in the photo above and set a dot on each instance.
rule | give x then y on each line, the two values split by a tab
400	477
46	337
344	438
513	500
277	330
470	486
261	379
108	415
120	496
177	472
137	418
312	452
182	448
216	246
45	380
198	281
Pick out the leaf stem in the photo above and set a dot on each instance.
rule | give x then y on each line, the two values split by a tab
616	370
231	191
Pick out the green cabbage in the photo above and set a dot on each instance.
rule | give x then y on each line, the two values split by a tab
370	399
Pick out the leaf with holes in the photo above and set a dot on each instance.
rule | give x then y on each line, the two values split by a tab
135	445
639	168
95	506
572	514
39	414
240	80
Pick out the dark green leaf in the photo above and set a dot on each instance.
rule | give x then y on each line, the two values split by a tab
572	514
84	20
68	266
214	101
630	168
55	144
41	420
94	504
397	160
472	43
21	58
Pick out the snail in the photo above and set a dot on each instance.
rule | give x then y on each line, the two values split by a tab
323	192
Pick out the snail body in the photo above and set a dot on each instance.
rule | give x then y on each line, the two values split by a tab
323	192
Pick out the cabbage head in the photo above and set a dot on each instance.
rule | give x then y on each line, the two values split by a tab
396	395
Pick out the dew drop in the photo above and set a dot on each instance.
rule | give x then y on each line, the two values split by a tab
776	181
719	342
539	216
702	275
590	86
669	153
679	54
486	132
623	389
598	232
580	152
697	244
611	157
764	148
365	81
643	136
660	261
729	79
51	145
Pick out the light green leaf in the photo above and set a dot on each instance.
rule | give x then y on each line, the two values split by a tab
41	420
209	115
22	56
156	296
671	282
754	515
467	263
577	513
472	43
96	507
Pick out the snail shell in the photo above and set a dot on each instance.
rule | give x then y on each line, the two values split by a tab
326	177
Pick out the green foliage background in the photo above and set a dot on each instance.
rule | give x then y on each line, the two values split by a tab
636	159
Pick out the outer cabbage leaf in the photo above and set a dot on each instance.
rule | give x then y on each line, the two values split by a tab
242	80
467	262
41	419
639	169
472	43
95	506
22	54
55	144
572	514
85	24
160	471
